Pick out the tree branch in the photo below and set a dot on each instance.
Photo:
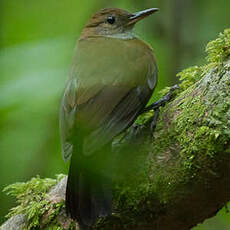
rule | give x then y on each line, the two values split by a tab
180	176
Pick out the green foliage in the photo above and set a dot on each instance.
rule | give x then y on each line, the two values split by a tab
33	201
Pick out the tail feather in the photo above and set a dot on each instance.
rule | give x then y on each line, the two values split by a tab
88	192
72	193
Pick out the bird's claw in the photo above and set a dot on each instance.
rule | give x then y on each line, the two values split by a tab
156	106
154	120
163	100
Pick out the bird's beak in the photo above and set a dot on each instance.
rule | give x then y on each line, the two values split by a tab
134	18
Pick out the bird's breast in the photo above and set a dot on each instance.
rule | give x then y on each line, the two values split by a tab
102	61
109	59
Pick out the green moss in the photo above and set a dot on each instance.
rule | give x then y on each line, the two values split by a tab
144	117
189	76
32	201
193	134
219	49
195	129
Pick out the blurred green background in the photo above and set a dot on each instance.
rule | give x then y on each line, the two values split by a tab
37	39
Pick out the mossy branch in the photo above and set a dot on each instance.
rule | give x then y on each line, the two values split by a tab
175	179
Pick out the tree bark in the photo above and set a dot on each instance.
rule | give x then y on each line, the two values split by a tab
179	176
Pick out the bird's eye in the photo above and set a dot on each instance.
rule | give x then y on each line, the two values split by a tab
111	20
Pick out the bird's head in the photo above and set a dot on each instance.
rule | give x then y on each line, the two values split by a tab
113	22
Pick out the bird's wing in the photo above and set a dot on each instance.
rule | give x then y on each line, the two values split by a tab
105	106
67	118
124	113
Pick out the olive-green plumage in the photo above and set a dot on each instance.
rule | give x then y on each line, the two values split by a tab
113	76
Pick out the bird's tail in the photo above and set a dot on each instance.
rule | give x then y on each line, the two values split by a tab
88	192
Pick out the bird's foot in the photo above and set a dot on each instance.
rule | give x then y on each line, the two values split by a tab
162	101
156	106
154	120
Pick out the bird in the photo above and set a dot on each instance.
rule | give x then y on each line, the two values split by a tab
112	77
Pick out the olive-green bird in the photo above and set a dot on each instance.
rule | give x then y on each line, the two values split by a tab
112	78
